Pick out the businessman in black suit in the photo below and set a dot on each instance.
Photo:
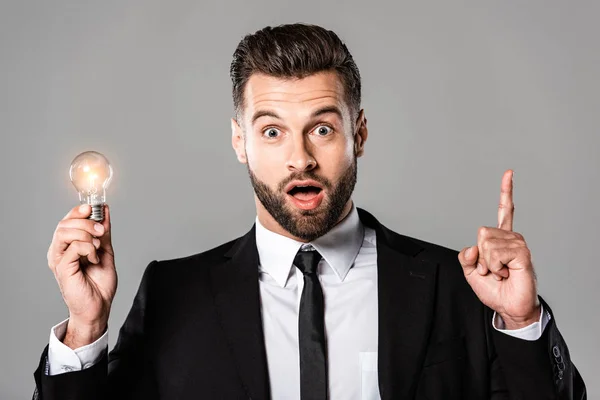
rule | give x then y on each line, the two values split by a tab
318	300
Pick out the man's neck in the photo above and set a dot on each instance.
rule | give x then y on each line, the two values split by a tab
271	224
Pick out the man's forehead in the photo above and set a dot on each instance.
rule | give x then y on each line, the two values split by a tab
264	89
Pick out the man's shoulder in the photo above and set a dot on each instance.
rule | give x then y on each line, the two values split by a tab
444	258
205	258
409	245
452	287
435	250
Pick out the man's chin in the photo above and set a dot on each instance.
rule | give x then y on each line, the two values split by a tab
307	227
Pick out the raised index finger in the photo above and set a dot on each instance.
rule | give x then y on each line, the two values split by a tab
506	208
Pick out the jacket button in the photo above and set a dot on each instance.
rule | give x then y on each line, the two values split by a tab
556	351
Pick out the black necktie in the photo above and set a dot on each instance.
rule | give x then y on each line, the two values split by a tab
311	329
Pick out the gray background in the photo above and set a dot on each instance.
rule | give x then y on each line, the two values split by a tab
454	95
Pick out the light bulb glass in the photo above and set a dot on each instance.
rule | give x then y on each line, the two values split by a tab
91	174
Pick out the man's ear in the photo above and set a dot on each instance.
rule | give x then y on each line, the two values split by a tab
360	134
238	141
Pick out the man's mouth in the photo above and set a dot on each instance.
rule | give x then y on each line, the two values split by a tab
306	195
304	192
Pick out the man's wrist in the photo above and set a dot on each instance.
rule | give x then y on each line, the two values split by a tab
79	335
512	323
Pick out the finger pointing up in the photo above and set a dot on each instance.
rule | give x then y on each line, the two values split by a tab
506	207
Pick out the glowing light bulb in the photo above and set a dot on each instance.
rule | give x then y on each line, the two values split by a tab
91	174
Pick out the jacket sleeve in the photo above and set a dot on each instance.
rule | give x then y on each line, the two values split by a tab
540	369
124	373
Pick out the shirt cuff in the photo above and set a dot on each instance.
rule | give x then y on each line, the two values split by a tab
61	358
532	332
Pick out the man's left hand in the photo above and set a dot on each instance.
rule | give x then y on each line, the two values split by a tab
499	268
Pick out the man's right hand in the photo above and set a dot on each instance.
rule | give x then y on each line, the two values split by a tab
81	257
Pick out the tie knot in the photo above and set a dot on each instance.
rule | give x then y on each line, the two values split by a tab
307	260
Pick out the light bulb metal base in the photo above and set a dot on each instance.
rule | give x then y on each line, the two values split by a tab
97	212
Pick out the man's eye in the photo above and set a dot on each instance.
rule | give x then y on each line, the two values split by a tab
271	133
323	130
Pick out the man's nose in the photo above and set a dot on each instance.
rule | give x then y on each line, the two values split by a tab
301	158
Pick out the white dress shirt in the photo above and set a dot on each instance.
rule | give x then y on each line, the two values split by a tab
348	276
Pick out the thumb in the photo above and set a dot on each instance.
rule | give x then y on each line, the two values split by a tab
468	259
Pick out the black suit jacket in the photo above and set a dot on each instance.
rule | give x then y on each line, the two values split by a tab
195	332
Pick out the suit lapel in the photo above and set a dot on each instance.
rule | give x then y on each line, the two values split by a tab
237	298
406	289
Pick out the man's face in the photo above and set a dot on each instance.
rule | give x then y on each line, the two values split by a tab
298	140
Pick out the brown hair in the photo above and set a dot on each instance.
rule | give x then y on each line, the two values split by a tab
293	51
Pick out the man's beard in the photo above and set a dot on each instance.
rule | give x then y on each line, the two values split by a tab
307	225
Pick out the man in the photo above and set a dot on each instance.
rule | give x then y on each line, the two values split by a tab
318	300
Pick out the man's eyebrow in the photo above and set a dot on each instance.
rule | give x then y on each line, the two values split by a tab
264	113
328	110
324	110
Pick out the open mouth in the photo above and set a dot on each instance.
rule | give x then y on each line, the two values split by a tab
304	192
306	195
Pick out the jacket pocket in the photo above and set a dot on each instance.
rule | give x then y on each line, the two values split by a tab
444	371
446	350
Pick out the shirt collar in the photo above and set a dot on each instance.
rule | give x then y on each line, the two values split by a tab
339	247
